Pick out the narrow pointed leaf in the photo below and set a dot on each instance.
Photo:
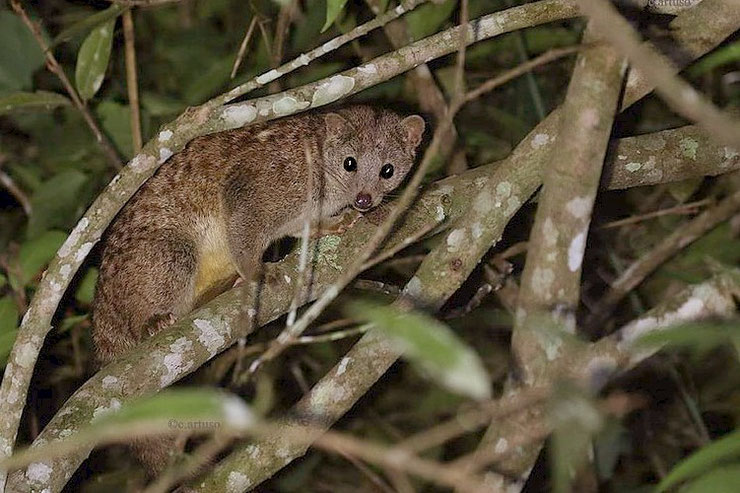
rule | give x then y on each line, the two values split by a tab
430	345
90	22
170	411
721	480
333	9
39	100
8	323
92	60
725	449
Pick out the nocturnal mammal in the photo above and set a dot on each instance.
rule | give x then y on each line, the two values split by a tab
210	212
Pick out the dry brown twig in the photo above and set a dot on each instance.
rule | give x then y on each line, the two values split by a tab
243	46
7	181
132	84
690	208
53	65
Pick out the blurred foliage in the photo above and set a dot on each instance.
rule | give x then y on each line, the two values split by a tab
185	53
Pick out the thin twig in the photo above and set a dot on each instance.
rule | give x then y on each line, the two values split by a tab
689	208
469	421
460	66
205	453
285	17
371	475
524	68
440	474
305	241
143	3
7	181
391	252
243	46
132	85
332	336
51	63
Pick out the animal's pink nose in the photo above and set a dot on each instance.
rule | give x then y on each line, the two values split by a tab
363	201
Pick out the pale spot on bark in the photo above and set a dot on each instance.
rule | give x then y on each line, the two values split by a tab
455	240
267	77
579	207
540	140
368	69
575	251
689	147
332	90
209	336
237	482
38	472
143	163
73	237
165	135
237	115
343	365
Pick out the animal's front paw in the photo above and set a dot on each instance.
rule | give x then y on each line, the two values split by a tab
337	225
160	322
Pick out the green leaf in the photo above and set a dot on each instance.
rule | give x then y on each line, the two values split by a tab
609	444
8	315
92	59
56	202
32	100
576	419
721	56
725	449
333	9
8	327
184	405
428	18
699	337
86	288
721	480
89	22
34	254
20	55
170	411
68	322
430	345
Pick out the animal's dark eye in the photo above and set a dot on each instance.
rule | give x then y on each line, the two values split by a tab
350	164
386	171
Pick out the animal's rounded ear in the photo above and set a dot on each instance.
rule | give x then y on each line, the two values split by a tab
413	127
336	124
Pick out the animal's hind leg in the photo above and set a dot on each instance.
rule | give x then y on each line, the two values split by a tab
142	290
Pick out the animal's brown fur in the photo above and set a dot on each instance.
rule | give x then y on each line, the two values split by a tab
211	211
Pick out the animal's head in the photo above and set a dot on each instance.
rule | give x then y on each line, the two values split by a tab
368	152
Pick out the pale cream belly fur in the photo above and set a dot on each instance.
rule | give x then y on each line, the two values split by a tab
216	267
